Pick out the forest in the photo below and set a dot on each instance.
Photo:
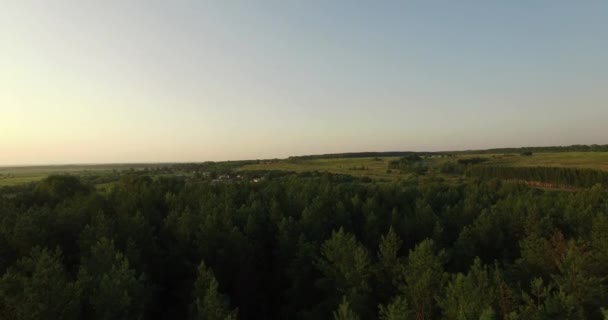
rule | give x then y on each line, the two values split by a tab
312	245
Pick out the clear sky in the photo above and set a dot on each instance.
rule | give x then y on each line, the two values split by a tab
152	81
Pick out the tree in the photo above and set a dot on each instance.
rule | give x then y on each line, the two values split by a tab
37	287
599	244
547	303
424	278
487	314
112	288
345	263
344	311
209	304
468	296
388	253
390	267
57	188
576	280
398	309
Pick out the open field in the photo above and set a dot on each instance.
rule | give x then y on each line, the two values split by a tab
25	174
590	160
374	168
377	168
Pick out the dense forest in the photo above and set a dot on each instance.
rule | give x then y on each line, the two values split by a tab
302	246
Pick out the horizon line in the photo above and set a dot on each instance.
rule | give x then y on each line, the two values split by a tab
125	163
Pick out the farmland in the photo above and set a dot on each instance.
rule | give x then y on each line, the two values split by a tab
24	174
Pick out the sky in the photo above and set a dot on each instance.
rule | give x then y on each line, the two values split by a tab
180	81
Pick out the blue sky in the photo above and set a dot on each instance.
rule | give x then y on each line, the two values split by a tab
147	81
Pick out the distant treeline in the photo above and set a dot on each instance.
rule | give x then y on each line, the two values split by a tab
557	176
360	155
572	148
222	166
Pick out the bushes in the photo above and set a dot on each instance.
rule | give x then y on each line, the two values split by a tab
411	164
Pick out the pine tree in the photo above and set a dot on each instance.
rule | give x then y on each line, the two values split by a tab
390	267
388	253
398	309
346	265
37	287
344	311
209	304
468	296
111	287
423	279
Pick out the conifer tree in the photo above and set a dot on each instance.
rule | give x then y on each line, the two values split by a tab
398	309
209	304
112	289
424	279
344	311
346	265
468	296
37	287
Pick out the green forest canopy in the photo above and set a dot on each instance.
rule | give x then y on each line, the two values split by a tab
220	244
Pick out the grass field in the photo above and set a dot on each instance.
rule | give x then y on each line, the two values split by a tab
19	175
377	169
374	168
591	160
25	174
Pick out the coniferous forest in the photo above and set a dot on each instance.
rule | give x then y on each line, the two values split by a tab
301	246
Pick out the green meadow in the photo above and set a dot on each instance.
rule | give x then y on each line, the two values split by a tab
378	168
590	160
371	167
24	174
